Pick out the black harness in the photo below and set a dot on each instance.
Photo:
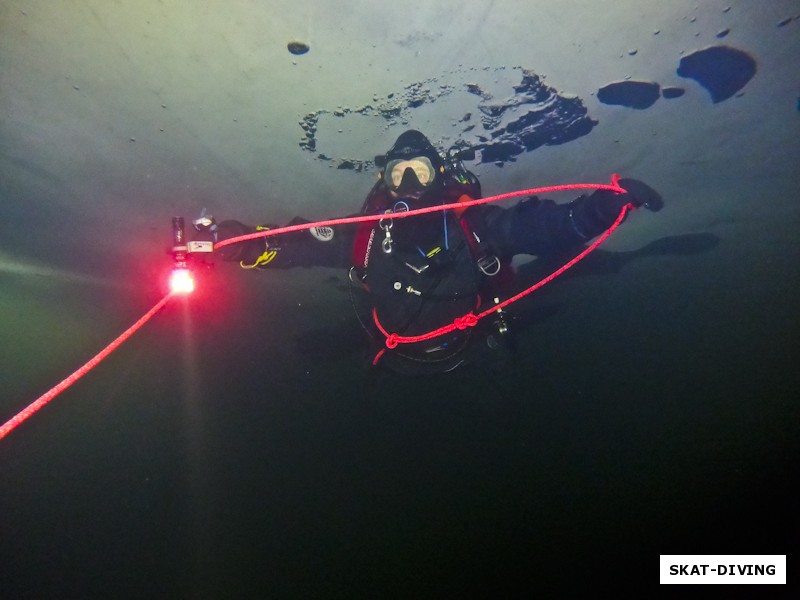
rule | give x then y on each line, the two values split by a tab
415	275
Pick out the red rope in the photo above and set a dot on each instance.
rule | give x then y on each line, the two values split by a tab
470	319
392	340
613	186
34	406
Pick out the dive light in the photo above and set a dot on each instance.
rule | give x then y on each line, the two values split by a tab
181	280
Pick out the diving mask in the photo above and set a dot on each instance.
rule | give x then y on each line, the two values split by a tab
397	172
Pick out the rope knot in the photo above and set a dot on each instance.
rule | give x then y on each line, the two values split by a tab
615	183
468	320
392	341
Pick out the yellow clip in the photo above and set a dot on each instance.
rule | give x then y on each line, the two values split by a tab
265	258
261	260
433	252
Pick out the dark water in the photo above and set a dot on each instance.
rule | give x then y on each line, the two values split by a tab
240	447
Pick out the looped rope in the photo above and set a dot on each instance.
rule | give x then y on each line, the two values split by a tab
471	320
468	320
392	341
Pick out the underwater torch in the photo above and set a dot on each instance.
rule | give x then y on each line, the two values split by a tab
181	280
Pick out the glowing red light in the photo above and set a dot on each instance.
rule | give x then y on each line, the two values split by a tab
181	281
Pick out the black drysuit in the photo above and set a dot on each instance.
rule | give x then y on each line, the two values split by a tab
432	273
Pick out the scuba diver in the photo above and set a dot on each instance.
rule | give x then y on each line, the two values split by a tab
411	276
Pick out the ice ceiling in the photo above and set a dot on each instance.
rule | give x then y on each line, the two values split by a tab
116	116
127	110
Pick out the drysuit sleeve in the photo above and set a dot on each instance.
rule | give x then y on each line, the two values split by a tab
541	227
315	247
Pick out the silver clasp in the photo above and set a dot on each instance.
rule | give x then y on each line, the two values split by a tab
386	225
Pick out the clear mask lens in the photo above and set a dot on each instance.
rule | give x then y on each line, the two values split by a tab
421	166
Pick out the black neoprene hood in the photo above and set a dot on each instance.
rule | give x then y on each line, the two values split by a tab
412	143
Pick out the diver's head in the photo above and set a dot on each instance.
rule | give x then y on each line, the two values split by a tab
412	167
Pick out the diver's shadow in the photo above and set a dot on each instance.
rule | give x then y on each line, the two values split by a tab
604	262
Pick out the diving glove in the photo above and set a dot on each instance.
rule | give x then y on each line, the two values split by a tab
641	194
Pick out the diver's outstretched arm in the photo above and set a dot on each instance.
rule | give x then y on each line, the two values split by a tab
315	247
538	227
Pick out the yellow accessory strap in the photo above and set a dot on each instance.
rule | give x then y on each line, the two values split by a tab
265	258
